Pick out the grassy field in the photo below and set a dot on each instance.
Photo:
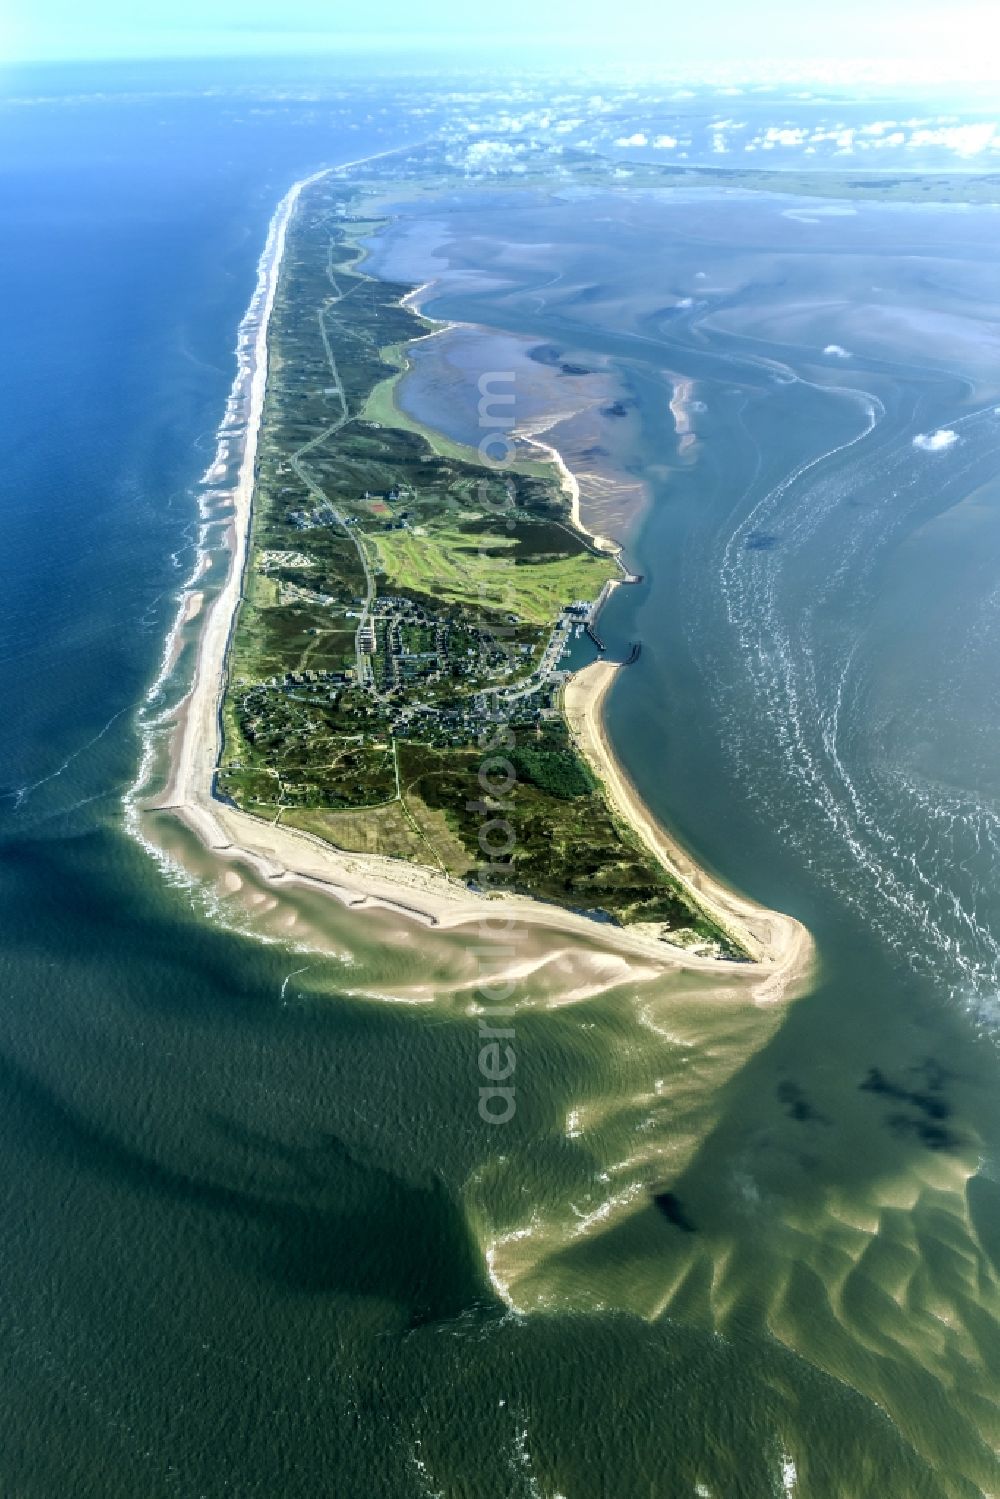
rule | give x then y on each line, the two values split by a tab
449	564
406	828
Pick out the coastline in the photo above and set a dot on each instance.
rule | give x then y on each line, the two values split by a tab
780	947
777	942
571	488
194	752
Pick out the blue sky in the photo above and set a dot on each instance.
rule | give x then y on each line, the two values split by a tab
723	31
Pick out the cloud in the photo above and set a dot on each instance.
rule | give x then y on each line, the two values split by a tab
665	142
935	442
784	136
638	139
837	351
840	136
964	140
491	157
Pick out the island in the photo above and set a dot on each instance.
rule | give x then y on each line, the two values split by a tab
395	680
380	707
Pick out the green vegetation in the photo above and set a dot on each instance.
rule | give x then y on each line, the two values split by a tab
559	772
547	760
404	613
470	564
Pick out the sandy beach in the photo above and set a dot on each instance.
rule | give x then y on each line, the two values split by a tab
570	486
779	943
286	856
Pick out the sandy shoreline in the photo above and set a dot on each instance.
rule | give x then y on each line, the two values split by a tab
286	856
779	943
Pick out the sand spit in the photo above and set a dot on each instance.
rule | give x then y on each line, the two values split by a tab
781	944
680	410
284	856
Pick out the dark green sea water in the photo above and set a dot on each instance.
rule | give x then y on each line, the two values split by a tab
254	1233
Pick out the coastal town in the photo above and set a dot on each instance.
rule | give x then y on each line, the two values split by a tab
427	675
